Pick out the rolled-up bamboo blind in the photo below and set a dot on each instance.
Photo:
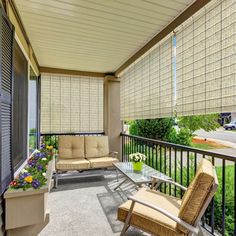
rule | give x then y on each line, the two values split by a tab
206	60
146	86
71	104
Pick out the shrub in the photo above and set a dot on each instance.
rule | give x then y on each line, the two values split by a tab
152	128
182	137
133	129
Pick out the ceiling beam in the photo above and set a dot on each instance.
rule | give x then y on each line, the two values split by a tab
193	8
51	70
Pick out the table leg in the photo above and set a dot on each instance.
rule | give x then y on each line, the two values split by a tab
137	187
120	184
117	175
156	185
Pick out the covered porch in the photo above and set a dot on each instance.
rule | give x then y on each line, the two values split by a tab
84	68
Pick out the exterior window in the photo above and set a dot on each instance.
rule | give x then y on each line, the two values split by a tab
20	108
33	107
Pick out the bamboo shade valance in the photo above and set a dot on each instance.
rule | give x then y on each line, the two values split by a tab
71	104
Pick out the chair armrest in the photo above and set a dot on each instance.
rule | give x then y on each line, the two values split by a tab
187	226
113	154
156	178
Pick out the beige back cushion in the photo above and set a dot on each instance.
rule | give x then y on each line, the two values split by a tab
71	147
96	146
197	193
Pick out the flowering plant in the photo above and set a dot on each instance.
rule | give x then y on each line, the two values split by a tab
137	157
34	174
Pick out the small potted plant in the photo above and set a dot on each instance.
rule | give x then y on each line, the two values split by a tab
137	160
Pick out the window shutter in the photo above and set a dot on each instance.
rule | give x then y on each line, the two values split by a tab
6	57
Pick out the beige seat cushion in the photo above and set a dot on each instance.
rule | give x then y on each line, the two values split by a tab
150	220
197	193
96	146
102	162
72	164
71	147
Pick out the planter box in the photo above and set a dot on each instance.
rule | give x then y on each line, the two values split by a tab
27	209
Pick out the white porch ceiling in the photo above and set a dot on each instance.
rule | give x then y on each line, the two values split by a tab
93	35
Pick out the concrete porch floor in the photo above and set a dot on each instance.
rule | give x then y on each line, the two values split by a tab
87	206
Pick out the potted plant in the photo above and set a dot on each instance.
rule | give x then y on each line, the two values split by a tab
27	194
137	160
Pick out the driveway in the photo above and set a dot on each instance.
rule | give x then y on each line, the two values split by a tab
220	134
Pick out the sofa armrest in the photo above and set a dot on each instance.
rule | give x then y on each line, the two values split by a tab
113	154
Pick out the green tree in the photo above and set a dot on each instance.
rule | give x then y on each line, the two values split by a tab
194	123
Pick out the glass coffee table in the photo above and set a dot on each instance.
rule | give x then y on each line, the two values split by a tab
138	177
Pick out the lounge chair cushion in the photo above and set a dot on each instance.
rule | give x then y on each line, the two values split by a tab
71	147
150	220
197	193
72	164
96	146
102	162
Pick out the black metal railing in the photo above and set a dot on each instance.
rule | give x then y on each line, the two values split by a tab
180	163
51	139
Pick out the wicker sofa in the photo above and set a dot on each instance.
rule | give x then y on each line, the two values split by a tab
84	153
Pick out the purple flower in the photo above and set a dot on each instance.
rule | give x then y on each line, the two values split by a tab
32	163
39	167
37	155
42	146
22	184
41	154
35	183
23	175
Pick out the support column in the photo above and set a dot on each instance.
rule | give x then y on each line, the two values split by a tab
112	122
